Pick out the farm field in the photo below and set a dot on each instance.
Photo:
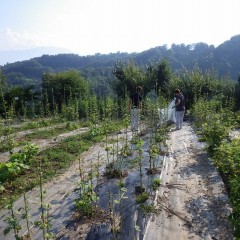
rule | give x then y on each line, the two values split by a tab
61	190
70	168
185	194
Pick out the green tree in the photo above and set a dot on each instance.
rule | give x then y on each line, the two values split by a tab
128	75
63	87
163	76
3	81
159	75
195	84
20	97
3	89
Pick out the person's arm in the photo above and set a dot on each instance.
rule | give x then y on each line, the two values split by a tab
130	104
177	103
140	106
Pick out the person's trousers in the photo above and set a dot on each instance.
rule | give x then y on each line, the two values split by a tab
135	117
179	119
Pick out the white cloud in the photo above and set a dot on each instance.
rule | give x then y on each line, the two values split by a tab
11	40
90	26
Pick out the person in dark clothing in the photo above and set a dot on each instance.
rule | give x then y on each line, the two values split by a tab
135	108
180	108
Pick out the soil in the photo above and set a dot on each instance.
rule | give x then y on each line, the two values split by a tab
192	199
191	203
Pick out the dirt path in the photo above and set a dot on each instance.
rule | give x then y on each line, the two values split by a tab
42	143
21	134
192	197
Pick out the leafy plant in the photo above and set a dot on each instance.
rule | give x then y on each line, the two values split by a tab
214	133
10	170
85	203
25	154
12	221
156	183
142	197
148	209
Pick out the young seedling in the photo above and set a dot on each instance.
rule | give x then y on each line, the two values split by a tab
12	221
122	192
140	189
113	215
44	223
26	216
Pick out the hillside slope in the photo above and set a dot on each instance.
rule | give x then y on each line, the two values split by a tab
224	59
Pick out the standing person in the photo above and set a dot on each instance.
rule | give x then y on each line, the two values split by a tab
135	108
180	108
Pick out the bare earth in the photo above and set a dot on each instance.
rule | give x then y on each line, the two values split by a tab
192	197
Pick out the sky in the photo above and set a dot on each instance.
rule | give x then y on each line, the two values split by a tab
87	27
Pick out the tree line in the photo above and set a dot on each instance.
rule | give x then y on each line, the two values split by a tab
97	69
70	89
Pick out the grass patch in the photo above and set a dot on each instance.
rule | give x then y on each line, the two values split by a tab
156	184
143	197
52	132
148	209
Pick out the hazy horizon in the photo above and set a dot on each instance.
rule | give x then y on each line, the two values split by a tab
86	27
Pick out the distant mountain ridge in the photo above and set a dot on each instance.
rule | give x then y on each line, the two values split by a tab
224	59
21	55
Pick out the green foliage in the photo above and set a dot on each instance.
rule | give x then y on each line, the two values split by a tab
143	197
204	110
10	170
109	109
129	76
227	157
161	133
214	133
19	98
57	156
148	209
72	125
85	203
156	183
12	221
17	163
3	82
3	89
227	160
24	155
93	111
237	118
2	188
70	111
215	118
97	68
195	84
62	88
158	75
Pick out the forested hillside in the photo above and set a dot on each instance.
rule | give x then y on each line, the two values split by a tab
97	69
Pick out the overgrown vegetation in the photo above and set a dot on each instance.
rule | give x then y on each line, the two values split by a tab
215	127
